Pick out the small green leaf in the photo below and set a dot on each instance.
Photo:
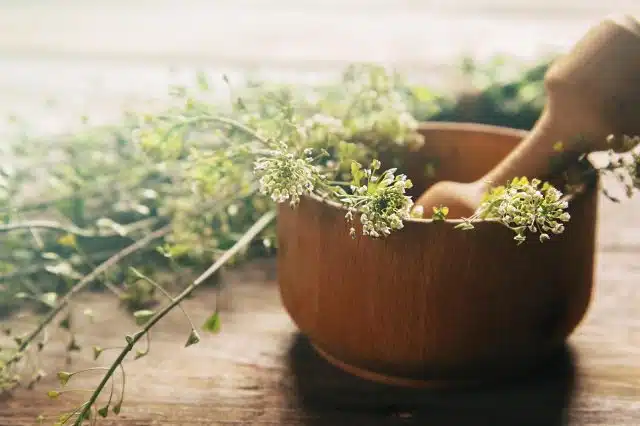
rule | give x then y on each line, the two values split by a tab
65	323
49	299
63	377
64	418
465	226
203	82
53	394
417	212
88	312
106	223
73	345
116	408
140	354
440	213
68	240
104	411
143	316
193	338
50	256
212	324
129	339
423	94
356	173
63	269
97	351
85	417
430	170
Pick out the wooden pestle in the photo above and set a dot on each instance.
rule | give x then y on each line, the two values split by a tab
592	92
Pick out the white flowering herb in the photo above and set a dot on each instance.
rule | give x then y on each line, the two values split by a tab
624	164
285	176
380	199
524	206
203	182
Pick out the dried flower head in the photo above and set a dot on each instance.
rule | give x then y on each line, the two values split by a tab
285	175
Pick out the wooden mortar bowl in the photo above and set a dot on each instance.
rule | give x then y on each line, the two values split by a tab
430	304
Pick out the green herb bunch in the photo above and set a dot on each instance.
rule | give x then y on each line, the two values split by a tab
208	171
201	185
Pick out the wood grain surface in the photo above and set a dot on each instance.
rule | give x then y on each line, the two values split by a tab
260	371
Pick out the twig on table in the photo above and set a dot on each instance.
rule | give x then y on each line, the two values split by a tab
251	233
113	260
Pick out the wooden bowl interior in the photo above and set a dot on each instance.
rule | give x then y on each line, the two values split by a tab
460	152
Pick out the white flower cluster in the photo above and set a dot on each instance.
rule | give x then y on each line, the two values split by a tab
382	202
624	163
523	206
285	176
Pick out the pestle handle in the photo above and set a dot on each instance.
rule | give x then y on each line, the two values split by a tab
592	92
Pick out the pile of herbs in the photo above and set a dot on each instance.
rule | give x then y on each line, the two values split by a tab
137	208
71	203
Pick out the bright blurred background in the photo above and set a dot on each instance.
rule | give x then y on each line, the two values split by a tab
60	59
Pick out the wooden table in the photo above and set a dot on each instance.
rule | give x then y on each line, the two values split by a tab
260	371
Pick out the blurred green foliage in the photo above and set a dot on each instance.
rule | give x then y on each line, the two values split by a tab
108	195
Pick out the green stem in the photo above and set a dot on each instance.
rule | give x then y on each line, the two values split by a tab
219	120
100	256
115	290
85	370
113	386
251	233
70	229
73	413
44	224
113	260
163	291
122	387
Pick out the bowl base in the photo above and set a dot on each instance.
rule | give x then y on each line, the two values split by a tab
392	380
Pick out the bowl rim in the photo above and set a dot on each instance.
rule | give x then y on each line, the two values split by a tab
454	126
467	126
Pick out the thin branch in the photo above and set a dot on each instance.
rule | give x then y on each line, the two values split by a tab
71	229
113	260
103	267
46	224
163	291
219	120
248	236
34	269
